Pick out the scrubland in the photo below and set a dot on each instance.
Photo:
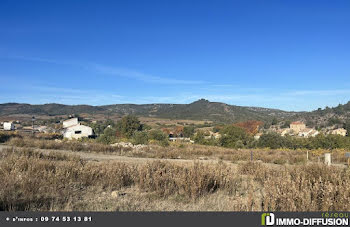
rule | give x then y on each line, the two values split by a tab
55	181
188	151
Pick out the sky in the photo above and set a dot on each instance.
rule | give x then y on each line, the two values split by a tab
291	55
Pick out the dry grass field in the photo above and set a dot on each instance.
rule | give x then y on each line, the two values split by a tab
188	151
34	179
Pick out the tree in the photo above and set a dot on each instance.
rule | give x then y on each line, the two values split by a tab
159	136
128	125
310	123
233	136
188	131
267	125
271	140
140	137
286	124
100	126
334	121
108	136
251	127
274	121
199	137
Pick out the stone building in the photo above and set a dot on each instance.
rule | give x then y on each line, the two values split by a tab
297	126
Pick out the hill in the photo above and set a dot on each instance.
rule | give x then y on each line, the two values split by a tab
338	116
198	110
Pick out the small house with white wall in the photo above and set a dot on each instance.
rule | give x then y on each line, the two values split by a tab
78	131
8	126
74	130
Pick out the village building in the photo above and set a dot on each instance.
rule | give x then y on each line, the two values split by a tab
215	135
78	131
308	132
339	131
314	133
9	126
182	139
285	131
43	129
297	126
70	122
74	130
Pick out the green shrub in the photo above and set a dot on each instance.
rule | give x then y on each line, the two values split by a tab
140	137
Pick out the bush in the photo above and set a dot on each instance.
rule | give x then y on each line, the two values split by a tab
157	135
199	137
128	125
140	138
108	136
62	145
5	136
188	131
271	140
234	137
38	181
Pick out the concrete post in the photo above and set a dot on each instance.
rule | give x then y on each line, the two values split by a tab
327	159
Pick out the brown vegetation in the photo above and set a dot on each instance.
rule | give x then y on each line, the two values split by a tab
187	151
251	127
36	181
63	145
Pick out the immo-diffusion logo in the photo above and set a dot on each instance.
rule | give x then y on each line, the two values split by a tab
338	219
267	219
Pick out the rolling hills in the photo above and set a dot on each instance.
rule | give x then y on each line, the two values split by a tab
198	110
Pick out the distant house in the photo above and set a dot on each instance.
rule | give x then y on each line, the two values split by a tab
308	132
217	135
43	129
8	126
74	130
70	122
339	131
212	135
297	126
285	131
173	132
78	131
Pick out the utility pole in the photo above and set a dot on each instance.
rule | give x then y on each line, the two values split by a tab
33	119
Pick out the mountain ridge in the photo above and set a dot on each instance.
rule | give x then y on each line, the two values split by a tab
201	109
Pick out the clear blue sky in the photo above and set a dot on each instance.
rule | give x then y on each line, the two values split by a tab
286	54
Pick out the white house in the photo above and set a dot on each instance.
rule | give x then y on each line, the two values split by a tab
8	126
285	131
70	122
77	131
308	132
339	131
